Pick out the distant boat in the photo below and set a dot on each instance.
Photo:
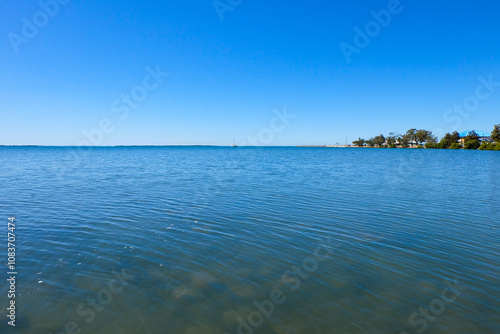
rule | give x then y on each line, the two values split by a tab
234	144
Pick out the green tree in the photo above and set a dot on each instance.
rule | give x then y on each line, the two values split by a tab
487	146
404	140
495	134
455	137
430	144
472	136
423	136
472	141
379	140
411	135
370	142
448	140
472	145
360	142
391	139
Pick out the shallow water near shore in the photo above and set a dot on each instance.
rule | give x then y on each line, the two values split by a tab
252	240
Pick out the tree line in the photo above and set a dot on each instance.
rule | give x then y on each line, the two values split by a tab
426	139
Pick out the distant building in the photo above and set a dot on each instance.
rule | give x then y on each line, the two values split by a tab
483	136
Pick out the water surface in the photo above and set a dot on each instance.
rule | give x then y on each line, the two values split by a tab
202	234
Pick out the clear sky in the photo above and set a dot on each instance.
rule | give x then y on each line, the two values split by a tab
66	71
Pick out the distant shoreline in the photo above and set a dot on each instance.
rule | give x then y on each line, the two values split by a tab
83	146
112	146
208	146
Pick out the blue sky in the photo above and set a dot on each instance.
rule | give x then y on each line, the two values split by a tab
225	77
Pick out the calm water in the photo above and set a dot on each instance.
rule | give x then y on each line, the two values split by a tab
207	236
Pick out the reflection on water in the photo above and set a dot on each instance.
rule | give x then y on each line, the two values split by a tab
254	240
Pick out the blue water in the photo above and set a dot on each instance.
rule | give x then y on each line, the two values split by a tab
252	240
